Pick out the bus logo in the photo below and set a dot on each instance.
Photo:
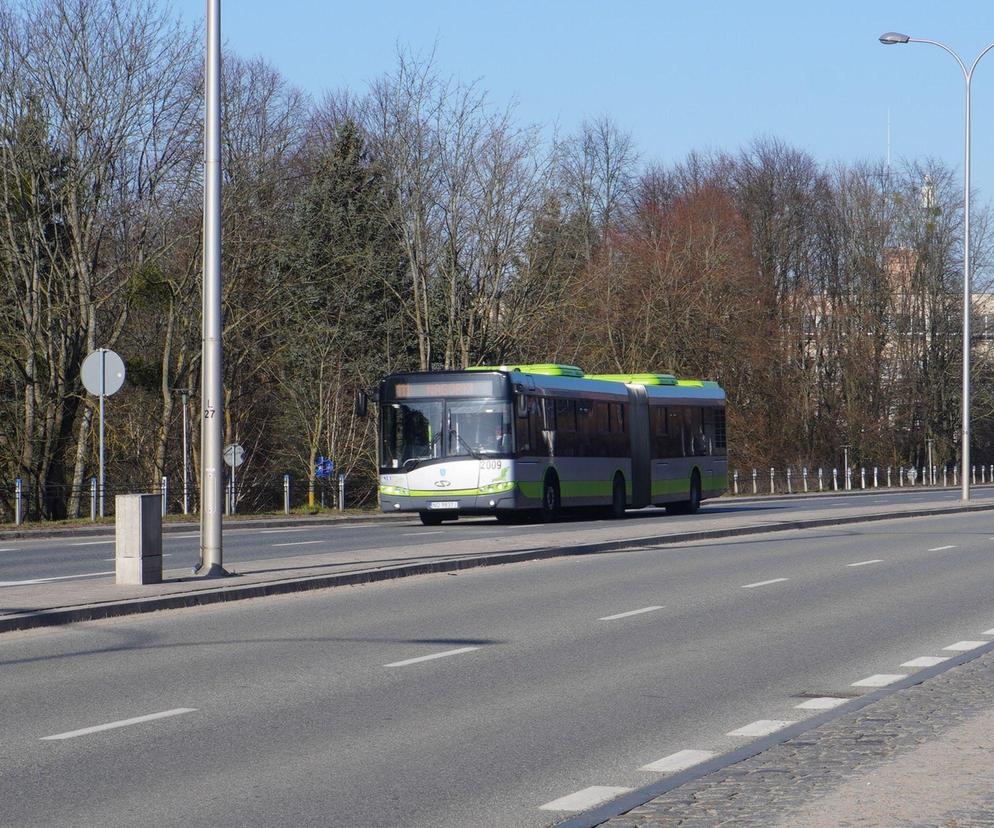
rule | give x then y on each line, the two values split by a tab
443	483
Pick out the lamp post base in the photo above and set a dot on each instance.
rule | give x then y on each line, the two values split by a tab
214	571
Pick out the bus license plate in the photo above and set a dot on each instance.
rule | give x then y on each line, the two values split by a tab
444	504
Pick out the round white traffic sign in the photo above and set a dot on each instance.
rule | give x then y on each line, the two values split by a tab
234	455
102	371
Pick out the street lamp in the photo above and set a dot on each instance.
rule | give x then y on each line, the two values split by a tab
893	38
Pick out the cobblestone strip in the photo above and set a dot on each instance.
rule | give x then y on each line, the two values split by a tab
779	786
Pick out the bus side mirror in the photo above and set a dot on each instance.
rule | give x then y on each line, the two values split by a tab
361	404
521	405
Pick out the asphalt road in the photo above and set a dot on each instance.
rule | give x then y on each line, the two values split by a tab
93	555
477	698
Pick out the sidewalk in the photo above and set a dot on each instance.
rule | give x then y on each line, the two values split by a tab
920	755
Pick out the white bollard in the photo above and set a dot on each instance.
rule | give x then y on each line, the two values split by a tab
164	491
821	486
789	489
93	498
973	474
835	479
771	479
944	471
735	482
755	490
955	475
341	493
888	477
901	475
875	482
848	479
286	494
862	477
804	474
18	502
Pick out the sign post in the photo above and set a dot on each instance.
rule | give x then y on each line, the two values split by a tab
103	375
234	456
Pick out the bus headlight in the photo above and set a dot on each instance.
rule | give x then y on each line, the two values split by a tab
394	491
501	486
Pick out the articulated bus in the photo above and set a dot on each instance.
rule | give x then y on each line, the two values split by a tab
517	441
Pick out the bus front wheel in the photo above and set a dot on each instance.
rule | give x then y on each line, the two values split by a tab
550	500
431	518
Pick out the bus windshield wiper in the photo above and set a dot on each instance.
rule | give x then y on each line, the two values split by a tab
476	455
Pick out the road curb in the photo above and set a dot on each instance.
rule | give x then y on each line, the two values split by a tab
640	796
230	590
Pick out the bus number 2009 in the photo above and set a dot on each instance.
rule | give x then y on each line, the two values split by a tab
490	464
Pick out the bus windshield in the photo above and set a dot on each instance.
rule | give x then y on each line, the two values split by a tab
430	429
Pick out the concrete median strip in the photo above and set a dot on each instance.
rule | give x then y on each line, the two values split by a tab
283	581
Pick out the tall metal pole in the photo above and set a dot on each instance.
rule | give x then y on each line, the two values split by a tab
211	475
891	38
103	386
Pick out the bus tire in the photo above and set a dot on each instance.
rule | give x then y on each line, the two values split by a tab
618	497
550	499
693	503
431	518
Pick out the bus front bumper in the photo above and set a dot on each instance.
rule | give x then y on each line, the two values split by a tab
484	504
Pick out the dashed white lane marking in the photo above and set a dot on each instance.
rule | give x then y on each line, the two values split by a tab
279	531
628	614
681	760
431	657
925	661
585	799
879	680
764	583
963	646
866	563
55	578
821	703
299	543
762	727
941	548
92	543
985	632
413	534
8	550
72	734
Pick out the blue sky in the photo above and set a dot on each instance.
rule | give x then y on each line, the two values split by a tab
677	76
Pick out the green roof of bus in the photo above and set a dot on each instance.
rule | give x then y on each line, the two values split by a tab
551	369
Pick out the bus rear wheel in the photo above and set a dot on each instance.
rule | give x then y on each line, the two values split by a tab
618	497
693	503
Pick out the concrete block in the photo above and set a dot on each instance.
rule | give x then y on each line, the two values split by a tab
139	570
138	538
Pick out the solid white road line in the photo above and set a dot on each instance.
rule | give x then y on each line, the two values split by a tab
56	578
941	548
866	563
416	534
628	614
681	760
432	657
279	531
879	680
925	661
72	734
8	550
585	799
764	583
821	703
190	535
964	646
298	543
762	727
92	543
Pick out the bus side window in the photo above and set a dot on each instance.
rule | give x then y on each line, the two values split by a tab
675	429
523	436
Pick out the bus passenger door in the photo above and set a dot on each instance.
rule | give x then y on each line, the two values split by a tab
638	424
